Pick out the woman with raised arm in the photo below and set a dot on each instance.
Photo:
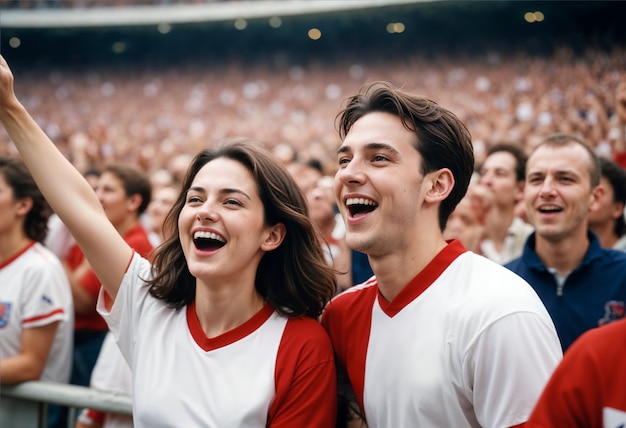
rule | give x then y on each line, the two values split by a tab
221	330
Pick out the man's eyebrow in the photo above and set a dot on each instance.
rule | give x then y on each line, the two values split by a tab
381	146
370	146
343	149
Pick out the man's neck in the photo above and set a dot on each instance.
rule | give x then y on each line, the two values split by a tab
498	225
393	272
125	226
564	255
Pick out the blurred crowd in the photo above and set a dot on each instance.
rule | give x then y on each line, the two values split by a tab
148	115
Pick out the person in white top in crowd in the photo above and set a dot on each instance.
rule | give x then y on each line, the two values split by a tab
36	310
112	374
505	232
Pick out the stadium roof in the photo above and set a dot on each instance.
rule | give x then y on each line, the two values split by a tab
181	13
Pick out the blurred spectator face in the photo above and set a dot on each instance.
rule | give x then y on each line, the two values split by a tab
112	195
467	221
160	205
178	166
317	189
321	201
92	179
607	209
498	174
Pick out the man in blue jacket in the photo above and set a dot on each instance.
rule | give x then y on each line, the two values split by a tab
581	284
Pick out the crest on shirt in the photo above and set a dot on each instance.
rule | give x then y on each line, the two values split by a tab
46	299
5	313
613	311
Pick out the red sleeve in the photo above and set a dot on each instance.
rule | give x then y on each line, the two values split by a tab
74	256
138	241
620	158
570	398
91	284
348	318
306	383
89	281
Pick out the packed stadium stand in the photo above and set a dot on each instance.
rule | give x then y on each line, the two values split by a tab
107	85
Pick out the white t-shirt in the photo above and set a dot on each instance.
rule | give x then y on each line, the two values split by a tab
269	367
112	373
466	343
35	291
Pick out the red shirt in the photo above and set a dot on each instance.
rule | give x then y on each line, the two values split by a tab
137	238
587	388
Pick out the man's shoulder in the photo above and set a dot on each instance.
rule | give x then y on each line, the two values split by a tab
357	297
356	292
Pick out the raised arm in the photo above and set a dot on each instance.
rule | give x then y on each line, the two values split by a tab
67	192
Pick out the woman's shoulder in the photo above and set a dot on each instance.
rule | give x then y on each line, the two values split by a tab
306	334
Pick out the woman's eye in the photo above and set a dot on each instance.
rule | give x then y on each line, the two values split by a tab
193	199
232	202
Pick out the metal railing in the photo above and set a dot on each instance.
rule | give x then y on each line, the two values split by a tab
26	405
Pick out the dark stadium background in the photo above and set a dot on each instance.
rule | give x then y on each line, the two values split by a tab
431	27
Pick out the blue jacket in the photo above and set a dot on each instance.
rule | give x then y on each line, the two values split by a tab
593	294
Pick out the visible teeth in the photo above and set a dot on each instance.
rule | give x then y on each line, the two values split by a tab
208	235
360	201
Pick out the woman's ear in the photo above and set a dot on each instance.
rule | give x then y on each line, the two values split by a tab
275	237
24	205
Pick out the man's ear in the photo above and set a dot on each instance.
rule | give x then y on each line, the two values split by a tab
441	183
134	202
274	238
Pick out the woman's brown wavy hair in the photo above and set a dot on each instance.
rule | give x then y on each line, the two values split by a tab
294	278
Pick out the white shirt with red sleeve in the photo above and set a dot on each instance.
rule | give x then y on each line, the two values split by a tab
467	343
270	371
35	291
